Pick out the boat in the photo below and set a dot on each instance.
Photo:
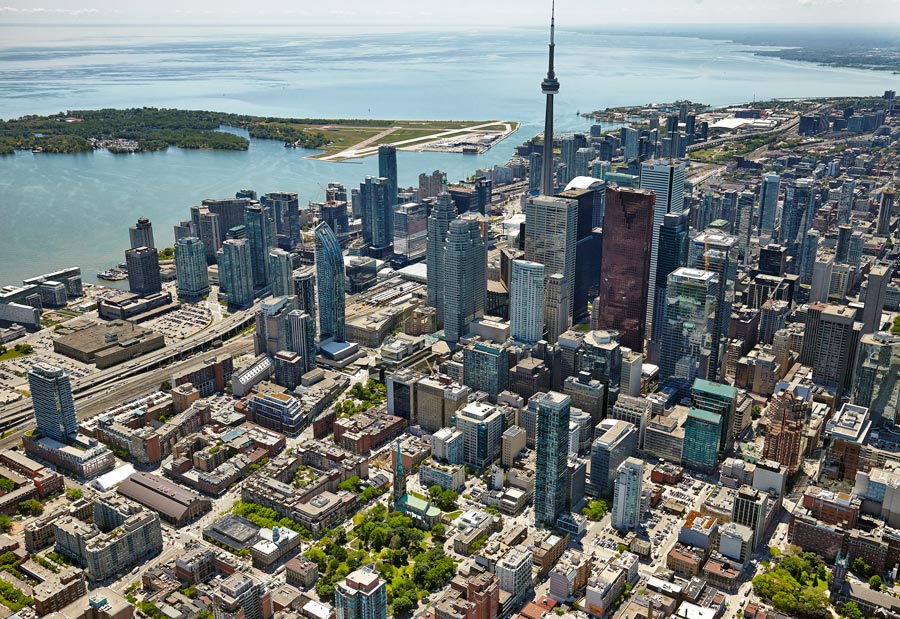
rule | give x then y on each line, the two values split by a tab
112	275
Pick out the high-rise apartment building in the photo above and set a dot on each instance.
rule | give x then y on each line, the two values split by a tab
830	341
330	275
259	234
665	178
141	234
51	398
191	269
885	211
845	203
387	169
271	334
526	301
625	268
551	481
143	270
616	443
626	507
768	202
377	215
796	215
301	338
281	269
284	210
876	295
361	595
442	213
305	289
236	272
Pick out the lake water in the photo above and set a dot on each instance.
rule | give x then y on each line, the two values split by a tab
61	210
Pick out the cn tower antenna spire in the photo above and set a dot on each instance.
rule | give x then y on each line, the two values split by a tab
550	86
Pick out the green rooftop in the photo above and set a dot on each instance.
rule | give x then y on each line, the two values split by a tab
718	389
702	415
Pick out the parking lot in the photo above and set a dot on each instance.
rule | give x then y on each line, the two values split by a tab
181	323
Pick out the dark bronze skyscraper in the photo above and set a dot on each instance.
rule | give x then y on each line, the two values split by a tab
625	270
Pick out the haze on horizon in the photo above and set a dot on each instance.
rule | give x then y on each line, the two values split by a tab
406	13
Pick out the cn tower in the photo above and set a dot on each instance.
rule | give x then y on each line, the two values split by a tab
550	86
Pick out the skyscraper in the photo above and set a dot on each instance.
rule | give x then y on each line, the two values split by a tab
272	331
410	232
387	168
183	230
785	420
556	302
626	508
377	215
551	480
885	211
550	238
717	253
141	234
302	337
768	201
702	430
191	269
876	294
464	276
672	254
796	216
617	443
691	315
281	270
830	342
625	268
361	595
442	213
720	399
330	275
51	397
665	178
256	221
305	289
845	204
526	301
284	208
236	272
208	228
143	270
876	379
550	86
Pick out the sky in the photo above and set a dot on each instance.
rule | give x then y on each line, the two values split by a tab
440	12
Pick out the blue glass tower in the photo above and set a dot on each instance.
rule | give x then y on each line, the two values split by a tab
330	275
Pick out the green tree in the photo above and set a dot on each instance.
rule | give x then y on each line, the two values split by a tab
7	485
438	531
756	411
325	589
595	510
851	611
5	523
860	567
402	605
73	494
784	602
165	386
31	507
875	582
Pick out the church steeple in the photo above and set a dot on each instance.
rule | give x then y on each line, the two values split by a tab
399	477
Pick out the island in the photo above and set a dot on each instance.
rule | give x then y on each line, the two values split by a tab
152	129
